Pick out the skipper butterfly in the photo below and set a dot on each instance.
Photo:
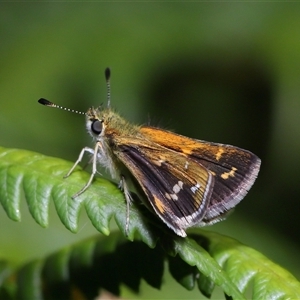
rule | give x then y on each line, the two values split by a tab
187	182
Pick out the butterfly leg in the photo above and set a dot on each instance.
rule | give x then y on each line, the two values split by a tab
90	161
124	187
85	149
94	167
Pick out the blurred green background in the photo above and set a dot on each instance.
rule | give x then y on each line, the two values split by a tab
222	72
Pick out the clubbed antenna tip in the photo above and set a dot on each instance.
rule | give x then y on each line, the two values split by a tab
51	104
46	102
107	74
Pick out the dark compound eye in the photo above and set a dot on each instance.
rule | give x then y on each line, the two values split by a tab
96	126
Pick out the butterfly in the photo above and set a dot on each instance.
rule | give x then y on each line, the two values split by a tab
187	182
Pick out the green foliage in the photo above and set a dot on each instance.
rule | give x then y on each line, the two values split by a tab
41	179
204	259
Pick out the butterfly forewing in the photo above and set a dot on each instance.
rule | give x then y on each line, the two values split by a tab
180	198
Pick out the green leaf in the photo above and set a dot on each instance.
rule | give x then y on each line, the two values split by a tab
110	262
6	291
29	281
203	258
195	255
40	179
247	268
90	266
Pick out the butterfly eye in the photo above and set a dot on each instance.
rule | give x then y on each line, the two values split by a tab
96	126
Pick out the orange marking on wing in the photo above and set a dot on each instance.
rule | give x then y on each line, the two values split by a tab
189	146
159	205
170	139
219	153
226	175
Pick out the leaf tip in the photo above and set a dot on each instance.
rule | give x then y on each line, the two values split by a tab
104	230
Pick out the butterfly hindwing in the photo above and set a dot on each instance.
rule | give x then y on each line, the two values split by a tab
234	169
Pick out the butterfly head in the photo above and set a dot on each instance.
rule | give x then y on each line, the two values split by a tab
97	119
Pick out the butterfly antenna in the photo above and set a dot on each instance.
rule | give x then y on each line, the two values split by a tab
107	78
51	104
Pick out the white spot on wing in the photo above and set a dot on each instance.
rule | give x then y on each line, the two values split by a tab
186	165
195	188
168	196
177	187
174	196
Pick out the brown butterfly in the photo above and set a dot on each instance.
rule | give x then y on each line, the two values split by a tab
187	182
